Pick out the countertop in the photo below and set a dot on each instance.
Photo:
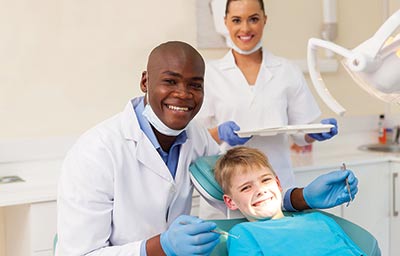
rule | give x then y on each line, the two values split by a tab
344	148
39	185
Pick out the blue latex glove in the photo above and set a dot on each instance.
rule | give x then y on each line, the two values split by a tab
329	190
189	235
227	134
326	135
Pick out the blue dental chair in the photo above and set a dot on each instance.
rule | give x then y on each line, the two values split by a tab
202	176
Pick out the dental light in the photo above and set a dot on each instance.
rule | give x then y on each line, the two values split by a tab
374	65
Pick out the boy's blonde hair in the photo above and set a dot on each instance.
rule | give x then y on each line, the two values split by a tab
238	160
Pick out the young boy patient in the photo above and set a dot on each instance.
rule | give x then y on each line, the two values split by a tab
251	186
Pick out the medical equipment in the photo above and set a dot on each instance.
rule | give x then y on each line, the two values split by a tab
288	129
374	65
224	233
217	230
343	168
202	176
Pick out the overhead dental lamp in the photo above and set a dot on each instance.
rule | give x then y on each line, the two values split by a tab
374	65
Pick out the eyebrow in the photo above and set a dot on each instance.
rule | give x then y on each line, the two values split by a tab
262	176
267	175
251	16
171	73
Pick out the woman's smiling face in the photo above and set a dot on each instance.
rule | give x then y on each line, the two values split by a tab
245	21
256	193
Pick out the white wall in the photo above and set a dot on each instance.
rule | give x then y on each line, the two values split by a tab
67	64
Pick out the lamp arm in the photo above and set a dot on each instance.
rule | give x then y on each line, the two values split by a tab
372	46
315	73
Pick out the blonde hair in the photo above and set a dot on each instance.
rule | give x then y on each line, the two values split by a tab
238	160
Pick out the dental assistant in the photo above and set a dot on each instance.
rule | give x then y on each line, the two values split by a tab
251	88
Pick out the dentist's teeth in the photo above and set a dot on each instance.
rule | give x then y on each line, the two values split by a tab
178	108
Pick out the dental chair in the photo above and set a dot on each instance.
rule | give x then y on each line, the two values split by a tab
202	176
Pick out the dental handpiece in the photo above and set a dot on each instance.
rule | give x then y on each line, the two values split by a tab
343	168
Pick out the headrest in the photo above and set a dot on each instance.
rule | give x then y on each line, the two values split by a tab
202	176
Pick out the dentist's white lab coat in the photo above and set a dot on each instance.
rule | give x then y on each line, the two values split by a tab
279	97
116	191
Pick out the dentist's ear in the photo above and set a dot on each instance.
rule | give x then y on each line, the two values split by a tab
144	81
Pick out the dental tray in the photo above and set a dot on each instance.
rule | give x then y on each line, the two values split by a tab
289	129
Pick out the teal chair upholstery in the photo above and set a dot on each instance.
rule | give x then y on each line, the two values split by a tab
55	243
202	175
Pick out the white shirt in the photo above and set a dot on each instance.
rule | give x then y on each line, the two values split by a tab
116	191
279	97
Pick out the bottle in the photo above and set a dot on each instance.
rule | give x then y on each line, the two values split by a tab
381	130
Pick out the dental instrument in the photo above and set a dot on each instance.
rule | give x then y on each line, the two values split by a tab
217	230
343	168
224	233
374	65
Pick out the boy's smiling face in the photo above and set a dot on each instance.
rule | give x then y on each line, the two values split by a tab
256	193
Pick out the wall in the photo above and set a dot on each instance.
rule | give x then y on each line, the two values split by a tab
67	64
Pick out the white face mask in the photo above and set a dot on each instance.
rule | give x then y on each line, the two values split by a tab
158	124
232	45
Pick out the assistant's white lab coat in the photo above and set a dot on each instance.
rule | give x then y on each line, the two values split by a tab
115	190
279	97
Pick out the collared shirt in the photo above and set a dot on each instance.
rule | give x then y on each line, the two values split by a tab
170	158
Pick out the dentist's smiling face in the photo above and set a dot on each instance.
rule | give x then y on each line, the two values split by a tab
174	84
245	21
256	193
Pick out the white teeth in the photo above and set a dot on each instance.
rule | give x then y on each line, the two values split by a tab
178	108
245	37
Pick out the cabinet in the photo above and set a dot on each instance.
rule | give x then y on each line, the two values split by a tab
30	229
371	208
395	208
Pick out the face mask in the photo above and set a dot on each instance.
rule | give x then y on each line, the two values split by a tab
232	45
158	124
153	119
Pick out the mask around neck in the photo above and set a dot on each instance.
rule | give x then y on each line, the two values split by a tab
232	45
153	119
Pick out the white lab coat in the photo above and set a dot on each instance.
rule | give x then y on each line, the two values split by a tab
115	190
279	97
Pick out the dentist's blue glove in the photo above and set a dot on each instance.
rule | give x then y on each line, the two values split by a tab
329	190
326	135
189	235
227	134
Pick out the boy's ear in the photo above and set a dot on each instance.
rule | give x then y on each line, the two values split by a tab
279	183
230	203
